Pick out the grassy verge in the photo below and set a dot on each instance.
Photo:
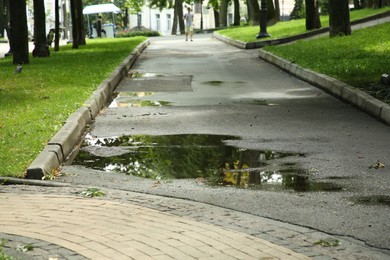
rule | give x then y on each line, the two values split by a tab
35	103
289	28
359	59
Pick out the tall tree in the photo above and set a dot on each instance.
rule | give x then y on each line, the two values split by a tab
41	49
312	15
56	25
271	12
277	10
215	5
78	33
19	32
223	9
175	19
75	33
80	22
5	22
236	15
253	12
339	23
357	4
178	17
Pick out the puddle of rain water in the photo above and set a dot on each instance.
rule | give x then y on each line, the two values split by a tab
206	157
374	200
219	82
213	82
133	99
136	74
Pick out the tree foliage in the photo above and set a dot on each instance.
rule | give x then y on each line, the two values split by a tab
299	11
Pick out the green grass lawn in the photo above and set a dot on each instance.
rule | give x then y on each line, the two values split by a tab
288	28
35	103
359	59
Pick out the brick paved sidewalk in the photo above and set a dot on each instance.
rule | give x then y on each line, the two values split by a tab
103	229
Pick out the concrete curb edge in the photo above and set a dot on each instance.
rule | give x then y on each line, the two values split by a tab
372	106
65	140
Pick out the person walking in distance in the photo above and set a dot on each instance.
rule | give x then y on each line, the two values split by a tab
189	18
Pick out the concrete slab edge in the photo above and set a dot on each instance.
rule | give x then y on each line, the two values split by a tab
18	181
230	41
69	136
365	102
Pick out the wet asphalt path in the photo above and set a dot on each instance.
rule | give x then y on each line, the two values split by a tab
234	93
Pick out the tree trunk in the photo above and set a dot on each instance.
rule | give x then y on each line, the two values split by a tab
3	21
312	15
248	10
126	18
66	22
223	13
180	16
216	18
78	33
254	12
237	17
339	23
19	32
40	41
175	18
356	4
379	4
80	22
75	33
5	28
56	26
277	10
271	13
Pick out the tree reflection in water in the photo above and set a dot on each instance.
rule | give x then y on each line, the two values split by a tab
193	156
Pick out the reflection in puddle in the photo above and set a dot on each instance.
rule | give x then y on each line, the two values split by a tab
129	99
286	179
135	74
213	82
219	83
198	156
375	200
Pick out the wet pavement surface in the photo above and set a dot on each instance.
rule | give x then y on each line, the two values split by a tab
208	132
328	182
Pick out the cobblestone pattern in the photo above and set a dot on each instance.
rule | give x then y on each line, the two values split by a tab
103	229
13	246
124	224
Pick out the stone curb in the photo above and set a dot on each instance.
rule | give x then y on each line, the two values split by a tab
374	107
64	142
380	18
32	182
